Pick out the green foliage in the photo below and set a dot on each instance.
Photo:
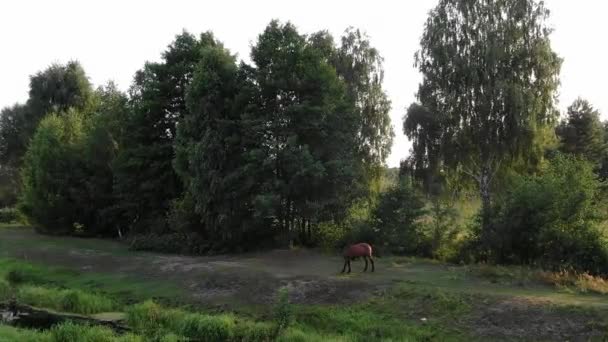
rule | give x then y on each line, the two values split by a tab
396	221
550	219
75	301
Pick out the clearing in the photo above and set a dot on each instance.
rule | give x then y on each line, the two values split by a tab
503	307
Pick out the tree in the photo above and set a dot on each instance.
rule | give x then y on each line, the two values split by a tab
12	140
552	219
396	217
582	133
361	67
52	173
489	75
55	89
423	128
145	182
211	147
100	148
308	131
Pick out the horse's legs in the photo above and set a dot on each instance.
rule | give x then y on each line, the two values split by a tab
372	261
365	258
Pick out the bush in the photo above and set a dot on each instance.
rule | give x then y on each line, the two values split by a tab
550	219
9	215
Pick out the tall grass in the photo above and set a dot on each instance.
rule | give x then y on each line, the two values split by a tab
151	319
65	332
5	290
75	301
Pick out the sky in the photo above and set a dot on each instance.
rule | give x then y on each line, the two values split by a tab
113	38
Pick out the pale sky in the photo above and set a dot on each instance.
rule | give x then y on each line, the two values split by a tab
113	38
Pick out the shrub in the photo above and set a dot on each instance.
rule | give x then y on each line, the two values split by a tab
549	219
9	215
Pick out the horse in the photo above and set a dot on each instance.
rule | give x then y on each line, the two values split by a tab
358	250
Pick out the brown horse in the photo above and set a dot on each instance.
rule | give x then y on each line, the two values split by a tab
358	250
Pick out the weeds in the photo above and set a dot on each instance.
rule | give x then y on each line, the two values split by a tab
581	282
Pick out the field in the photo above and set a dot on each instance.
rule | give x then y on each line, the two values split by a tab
404	300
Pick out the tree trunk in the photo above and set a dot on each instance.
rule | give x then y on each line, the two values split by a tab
485	180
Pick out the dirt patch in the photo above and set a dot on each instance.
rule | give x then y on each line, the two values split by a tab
524	319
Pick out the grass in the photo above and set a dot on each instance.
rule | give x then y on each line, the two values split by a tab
75	301
120	288
151	319
568	281
65	332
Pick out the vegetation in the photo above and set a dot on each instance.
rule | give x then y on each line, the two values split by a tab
209	154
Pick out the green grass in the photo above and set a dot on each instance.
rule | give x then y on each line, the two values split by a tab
75	301
65	332
151	319
120	288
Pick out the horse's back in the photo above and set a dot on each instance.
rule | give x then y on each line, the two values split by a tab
360	249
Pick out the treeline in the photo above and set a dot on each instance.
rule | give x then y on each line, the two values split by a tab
235	154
